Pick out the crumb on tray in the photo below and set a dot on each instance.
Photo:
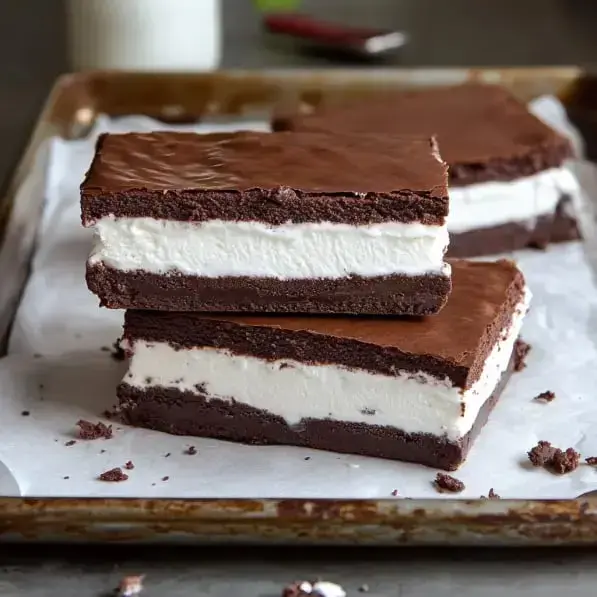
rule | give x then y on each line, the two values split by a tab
553	459
546	396
521	350
114	475
447	483
89	430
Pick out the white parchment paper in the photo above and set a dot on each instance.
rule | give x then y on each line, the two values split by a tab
58	373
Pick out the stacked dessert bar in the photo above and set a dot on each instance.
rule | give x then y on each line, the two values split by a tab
291	288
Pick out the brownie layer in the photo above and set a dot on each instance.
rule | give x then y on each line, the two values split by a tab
385	295
193	413
453	344
275	179
484	133
560	226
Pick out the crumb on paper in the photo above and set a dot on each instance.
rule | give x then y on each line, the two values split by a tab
394	492
546	396
129	466
553	459
592	460
89	430
307	457
130	586
447	483
191	451
66	477
114	475
318	588
25	413
105	348
118	353
166	478
492	495
70	442
521	350
167	454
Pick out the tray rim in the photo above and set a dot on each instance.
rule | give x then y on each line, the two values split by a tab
271	520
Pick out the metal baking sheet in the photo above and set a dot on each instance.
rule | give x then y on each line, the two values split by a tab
75	102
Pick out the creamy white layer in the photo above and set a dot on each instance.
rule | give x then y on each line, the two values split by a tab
495	203
415	403
291	251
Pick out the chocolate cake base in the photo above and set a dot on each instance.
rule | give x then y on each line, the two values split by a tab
537	234
190	413
382	295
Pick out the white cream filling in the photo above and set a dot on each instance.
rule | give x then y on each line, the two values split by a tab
495	203
415	403
221	248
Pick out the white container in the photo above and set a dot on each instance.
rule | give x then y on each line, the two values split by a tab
138	35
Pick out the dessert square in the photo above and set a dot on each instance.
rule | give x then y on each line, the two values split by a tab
508	186
295	222
414	389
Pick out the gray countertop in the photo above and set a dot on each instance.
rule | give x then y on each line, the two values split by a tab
455	33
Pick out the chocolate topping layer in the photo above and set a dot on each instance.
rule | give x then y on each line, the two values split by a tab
296	177
483	132
453	344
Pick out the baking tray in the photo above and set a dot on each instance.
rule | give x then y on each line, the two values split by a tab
74	103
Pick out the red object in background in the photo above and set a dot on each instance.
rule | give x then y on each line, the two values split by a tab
369	42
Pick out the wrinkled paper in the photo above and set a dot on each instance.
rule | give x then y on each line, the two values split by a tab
59	371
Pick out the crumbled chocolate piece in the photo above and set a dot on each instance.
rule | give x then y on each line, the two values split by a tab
307	457
521	350
318	588
368	411
446	483
114	475
66	477
129	466
166	478
191	451
89	430
492	495
394	492
102	451
25	413
592	460
117	353
167	454
71	442
130	586
553	459
546	396
105	349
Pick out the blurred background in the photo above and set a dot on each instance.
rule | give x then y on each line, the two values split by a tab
39	41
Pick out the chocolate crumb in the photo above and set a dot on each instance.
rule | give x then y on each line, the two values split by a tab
591	460
89	430
547	396
553	459
167	454
191	451
117	353
130	586
114	475
102	451
364	589
394	492
105	349
492	495
70	442
66	477
368	411
446	483
165	478
129	466
521	350
25	413
307	457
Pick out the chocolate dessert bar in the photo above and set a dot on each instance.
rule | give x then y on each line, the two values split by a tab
415	389
508	186
296	222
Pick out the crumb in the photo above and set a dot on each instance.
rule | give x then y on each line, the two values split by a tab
446	483
521	350
117	353
105	349
129	466
319	588
130	586
153	484
41	386
364	589
591	460
114	475
492	495
25	413
307	457
167	454
553	459
191	451
89	430
545	397
102	451
368	411
394	492
36	355
70	442
165	478
66	477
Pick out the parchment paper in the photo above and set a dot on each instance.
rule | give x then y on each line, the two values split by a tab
58	373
